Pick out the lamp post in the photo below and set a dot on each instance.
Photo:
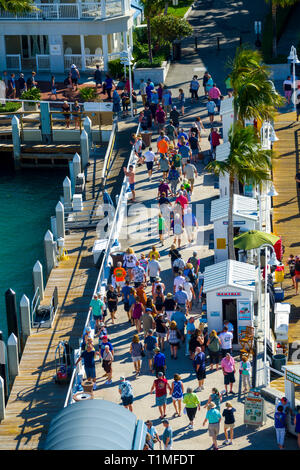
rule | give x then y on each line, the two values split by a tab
293	58
126	60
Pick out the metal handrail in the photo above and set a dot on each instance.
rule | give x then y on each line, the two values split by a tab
108	154
35	304
110	241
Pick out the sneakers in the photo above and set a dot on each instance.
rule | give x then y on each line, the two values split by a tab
108	382
226	443
198	389
190	426
94	387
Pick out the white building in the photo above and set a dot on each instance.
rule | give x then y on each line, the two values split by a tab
245	217
230	295
59	34
226	111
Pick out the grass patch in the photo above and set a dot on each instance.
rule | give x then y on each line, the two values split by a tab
181	9
10	107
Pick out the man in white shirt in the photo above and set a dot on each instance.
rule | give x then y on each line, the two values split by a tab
149	158
178	281
153	270
190	172
226	338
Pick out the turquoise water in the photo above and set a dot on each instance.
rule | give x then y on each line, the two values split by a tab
27	201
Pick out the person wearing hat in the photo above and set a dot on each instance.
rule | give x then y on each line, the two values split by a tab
159	362
126	392
213	416
101	333
169	305
96	307
167	436
21	84
157	283
228	415
153	433
75	77
161	386
150	343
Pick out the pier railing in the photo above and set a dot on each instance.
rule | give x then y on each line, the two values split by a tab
104	271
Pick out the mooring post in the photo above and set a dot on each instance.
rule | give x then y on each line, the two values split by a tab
13	358
45	122
25	316
11	313
60	220
50	254
84	149
3	362
16	138
67	187
76	168
87	125
38	281
2	399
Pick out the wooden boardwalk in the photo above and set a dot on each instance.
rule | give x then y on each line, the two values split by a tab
286	216
35	398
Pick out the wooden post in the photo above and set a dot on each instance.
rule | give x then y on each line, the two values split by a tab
2	399
38	281
84	148
87	125
3	361
60	220
13	359
16	138
11	313
25	316
49	251
67	187
45	122
76	167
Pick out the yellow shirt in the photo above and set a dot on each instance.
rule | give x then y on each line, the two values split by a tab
154	255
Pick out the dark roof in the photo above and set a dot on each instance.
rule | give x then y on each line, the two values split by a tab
95	425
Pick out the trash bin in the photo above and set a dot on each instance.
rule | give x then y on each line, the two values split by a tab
177	50
146	137
279	360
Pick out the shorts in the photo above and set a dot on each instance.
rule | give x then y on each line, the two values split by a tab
229	426
225	351
150	354
211	114
106	366
161	335
213	429
126	306
134	105
137	284
97	317
152	279
229	378
127	400
120	283
90	372
98	82
160	401
192	180
184	161
214	357
136	359
195	152
74	81
201	374
149	165
131	186
112	306
288	93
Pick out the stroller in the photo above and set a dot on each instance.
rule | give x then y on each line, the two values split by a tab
62	363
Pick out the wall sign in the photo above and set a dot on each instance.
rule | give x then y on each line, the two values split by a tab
214	314
292	377
55	49
235	222
244	311
227	294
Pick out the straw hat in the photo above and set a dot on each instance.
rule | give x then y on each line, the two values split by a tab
169	295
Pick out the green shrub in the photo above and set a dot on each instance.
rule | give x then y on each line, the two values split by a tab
32	94
88	94
140	51
145	63
116	69
10	107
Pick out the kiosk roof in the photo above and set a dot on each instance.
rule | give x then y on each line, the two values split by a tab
243	206
230	273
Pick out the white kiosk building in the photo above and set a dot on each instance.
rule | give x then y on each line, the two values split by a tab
245	217
222	153
226	111
230	295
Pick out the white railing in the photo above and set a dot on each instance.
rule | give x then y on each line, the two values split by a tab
102	276
13	62
70	59
71	11
42	62
91	60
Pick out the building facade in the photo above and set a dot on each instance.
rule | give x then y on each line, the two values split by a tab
59	34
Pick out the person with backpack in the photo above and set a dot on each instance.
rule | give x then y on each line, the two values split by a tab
31	83
126	392
214	346
74	77
98	76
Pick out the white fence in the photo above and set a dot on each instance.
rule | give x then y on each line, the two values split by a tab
42	62
71	11
70	59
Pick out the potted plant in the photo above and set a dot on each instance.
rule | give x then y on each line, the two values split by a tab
88	94
32	94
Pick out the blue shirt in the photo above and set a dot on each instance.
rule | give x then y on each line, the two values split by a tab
181	297
88	358
199	360
159	360
280	419
211	106
150	342
230	327
126	292
184	151
180	319
182	134
167	433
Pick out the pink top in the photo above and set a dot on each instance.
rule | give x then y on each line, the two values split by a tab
214	93
227	365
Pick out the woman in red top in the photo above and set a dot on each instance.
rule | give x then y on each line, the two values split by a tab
137	311
214	139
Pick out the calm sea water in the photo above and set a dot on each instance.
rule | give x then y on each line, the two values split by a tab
27	201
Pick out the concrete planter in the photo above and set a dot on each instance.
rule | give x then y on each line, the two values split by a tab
157	74
30	106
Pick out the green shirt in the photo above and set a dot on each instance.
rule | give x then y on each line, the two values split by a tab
96	305
176	160
161	223
191	400
228	83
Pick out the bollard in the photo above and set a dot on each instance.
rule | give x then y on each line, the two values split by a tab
11	313
84	149
76	168
3	361
25	315
38	281
13	359
67	187
50	254
87	125
45	122
16	138
2	399
60	220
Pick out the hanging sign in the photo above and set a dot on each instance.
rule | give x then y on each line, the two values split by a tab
227	294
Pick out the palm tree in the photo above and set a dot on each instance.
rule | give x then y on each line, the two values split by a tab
17	6
274	5
253	92
247	162
151	8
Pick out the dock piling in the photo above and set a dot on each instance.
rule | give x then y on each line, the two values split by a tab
67	187
2	399
13	359
87	126
11	313
25	313
38	281
76	168
50	251
16	138
60	220
3	357
84	148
